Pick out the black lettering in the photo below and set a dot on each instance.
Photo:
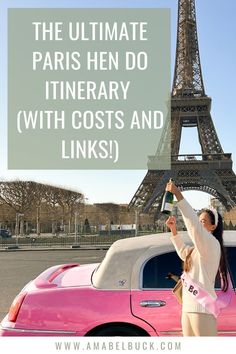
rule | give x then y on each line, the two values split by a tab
190	289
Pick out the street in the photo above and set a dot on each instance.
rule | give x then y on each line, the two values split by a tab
18	268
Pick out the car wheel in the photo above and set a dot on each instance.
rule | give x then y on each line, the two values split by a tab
121	331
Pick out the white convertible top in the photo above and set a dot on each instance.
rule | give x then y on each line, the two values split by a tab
120	269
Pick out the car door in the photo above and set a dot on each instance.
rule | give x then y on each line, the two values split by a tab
154	301
227	319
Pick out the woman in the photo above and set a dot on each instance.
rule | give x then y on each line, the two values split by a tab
200	264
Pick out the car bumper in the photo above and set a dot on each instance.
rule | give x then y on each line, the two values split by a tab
8	330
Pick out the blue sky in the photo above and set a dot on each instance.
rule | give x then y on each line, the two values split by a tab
216	34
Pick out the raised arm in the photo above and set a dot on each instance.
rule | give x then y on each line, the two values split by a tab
202	239
180	247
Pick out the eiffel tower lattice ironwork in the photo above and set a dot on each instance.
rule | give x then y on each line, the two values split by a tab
210	171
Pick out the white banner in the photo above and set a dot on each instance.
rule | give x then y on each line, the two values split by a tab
99	345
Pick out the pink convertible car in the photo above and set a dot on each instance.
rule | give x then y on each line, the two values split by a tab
128	294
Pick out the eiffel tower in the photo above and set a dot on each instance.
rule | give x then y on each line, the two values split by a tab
210	171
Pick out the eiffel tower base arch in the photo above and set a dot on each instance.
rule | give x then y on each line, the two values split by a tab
214	177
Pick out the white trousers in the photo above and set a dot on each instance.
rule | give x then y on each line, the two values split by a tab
198	324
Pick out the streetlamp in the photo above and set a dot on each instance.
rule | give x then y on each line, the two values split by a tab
76	244
76	239
18	216
17	225
85	215
38	221
136	222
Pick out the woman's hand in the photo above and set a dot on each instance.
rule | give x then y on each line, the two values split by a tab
171	187
171	224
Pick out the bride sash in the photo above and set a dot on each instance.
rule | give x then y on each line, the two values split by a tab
211	304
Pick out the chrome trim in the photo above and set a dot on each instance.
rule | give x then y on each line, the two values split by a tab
35	330
173	333
156	289
152	303
226	332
